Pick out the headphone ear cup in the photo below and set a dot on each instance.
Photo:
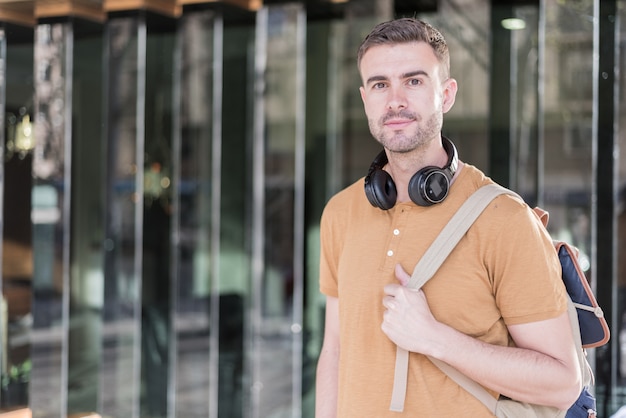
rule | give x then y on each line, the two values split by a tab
380	189
428	186
416	184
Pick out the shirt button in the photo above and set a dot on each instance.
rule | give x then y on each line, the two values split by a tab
396	232
390	253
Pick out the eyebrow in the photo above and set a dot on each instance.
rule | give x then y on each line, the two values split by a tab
410	74
414	73
375	78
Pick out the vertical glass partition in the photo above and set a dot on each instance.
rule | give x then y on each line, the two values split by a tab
4	317
567	119
620	328
51	217
87	225
568	138
126	78
324	135
199	301
156	300
195	227
232	279
515	97
278	182
16	65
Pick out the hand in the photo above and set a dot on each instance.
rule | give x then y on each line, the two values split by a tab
407	320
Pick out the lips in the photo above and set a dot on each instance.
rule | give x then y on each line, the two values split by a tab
397	123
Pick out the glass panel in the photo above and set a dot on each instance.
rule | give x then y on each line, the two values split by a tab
525	96
569	37
87	279
50	216
235	213
126	44
325	44
4	301
156	284
197	228
466	31
566	147
567	127
16	113
356	146
277	326
619	330
514	98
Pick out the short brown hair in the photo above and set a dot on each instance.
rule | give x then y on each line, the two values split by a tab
406	30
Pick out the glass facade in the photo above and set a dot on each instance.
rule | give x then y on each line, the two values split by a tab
163	175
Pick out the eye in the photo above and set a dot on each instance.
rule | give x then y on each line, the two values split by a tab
414	82
379	85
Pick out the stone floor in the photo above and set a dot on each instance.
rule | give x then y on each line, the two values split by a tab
270	396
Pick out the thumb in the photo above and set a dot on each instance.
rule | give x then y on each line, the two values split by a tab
402	275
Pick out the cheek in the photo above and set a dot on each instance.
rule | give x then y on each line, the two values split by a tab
370	109
437	98
438	101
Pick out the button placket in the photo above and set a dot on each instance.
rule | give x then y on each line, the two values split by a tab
396	235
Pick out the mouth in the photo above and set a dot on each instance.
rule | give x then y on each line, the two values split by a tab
396	124
398	120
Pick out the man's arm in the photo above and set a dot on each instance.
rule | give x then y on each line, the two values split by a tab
542	369
328	364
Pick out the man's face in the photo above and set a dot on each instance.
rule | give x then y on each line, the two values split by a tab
404	94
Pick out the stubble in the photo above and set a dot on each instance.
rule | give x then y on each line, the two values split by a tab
401	141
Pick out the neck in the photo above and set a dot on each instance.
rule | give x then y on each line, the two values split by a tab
403	166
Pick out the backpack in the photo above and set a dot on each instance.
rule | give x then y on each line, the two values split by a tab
589	327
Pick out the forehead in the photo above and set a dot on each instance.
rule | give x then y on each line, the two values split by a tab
391	60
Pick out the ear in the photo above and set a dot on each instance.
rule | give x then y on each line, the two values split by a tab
362	91
450	88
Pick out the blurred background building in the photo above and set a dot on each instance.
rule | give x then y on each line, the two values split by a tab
165	163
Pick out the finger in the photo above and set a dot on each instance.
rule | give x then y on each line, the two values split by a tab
388	302
402	275
392	289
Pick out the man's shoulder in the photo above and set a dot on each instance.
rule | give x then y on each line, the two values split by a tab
504	208
350	196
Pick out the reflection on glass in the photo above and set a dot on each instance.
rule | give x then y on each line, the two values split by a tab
156	272
621	220
194	393
126	40
232	274
16	88
87	277
50	217
567	111
524	120
277	306
619	332
20	139
567	137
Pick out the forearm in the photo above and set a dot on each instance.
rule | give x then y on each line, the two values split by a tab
326	384
543	369
519	373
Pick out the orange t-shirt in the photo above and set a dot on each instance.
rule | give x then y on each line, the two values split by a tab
504	271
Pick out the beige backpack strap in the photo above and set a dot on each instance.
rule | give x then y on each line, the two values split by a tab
468	384
489	401
430	262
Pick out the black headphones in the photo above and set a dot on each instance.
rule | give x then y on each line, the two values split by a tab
428	186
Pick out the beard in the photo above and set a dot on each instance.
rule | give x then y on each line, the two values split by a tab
403	141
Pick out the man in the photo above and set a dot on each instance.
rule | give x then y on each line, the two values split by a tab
495	310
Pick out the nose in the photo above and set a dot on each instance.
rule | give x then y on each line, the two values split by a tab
397	98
